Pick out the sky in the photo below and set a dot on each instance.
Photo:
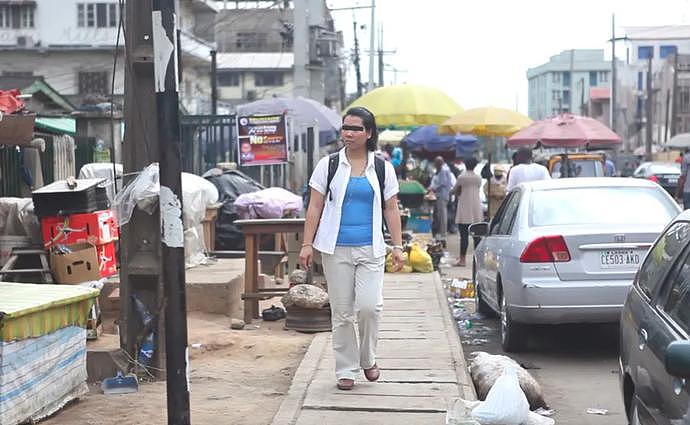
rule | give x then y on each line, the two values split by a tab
478	51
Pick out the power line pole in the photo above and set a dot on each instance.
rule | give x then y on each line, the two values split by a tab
355	61
214	84
380	53
674	97
164	22
648	107
372	37
613	73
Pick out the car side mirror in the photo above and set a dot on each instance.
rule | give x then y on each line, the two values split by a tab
479	230
677	359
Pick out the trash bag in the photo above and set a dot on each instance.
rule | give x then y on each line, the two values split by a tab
505	404
274	202
537	419
485	369
230	184
420	260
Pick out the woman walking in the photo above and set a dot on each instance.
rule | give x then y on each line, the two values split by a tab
469	207
344	222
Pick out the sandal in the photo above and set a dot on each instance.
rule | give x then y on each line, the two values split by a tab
345	384
373	373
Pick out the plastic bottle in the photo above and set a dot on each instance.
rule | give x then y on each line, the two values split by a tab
146	350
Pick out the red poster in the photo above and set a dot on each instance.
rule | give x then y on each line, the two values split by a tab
262	140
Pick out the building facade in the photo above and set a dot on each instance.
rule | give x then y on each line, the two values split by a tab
564	83
72	45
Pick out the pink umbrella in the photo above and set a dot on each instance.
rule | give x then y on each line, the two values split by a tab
565	131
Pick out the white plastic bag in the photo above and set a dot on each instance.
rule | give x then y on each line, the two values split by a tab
505	403
537	419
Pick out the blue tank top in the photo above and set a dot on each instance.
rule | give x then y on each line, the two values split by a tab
356	215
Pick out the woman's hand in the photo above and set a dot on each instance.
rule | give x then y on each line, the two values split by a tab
306	256
398	260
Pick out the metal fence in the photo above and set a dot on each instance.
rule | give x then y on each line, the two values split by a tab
206	141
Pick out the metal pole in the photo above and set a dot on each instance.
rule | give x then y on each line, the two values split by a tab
214	84
648	107
372	33
355	60
613	73
380	52
674	97
572	82
668	107
164	23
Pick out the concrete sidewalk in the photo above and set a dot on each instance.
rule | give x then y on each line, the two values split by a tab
421	361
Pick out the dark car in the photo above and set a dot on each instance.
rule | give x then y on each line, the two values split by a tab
666	174
655	325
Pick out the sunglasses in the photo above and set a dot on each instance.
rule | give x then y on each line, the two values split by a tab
356	128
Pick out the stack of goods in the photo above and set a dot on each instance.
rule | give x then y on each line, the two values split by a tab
79	230
17	123
42	348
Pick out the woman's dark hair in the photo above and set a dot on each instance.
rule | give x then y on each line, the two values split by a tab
369	124
471	163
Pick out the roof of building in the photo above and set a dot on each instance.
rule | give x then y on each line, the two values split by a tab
240	61
599	93
664	32
35	85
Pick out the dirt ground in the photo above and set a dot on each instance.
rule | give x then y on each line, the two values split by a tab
237	377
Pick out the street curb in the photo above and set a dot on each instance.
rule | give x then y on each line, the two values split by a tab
290	408
461	371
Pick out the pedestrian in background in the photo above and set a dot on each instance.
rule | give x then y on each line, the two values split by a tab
683	191
609	166
525	170
348	215
441	185
469	210
496	190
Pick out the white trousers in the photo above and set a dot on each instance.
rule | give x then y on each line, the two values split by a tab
355	292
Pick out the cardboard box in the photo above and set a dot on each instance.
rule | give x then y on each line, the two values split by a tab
17	129
78	266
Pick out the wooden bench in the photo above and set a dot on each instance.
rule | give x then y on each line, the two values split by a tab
252	229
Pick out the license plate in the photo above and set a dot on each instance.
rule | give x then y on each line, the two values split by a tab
623	258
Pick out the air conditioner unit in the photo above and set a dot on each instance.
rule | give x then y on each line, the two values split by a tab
25	41
251	95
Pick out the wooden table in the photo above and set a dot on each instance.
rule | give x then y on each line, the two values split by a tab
252	229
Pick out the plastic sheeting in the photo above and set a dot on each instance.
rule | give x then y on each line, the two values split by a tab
230	184
197	194
17	218
274	202
102	170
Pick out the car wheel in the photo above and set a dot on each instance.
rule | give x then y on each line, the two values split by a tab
480	306
513	335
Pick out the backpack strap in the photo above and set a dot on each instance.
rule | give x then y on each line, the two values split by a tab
380	167
333	161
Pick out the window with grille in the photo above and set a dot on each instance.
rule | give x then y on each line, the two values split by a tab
17	16
268	78
93	83
97	15
228	79
250	41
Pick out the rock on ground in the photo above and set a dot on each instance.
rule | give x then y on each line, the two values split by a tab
305	296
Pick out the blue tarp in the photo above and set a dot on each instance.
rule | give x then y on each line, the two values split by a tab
427	140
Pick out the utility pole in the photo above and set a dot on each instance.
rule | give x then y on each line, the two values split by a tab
302	86
214	84
674	97
572	82
355	60
380	52
668	110
613	73
170	202
648	107
372	37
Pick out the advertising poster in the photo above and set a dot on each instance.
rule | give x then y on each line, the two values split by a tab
262	139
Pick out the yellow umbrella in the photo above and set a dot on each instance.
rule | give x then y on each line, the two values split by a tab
407	105
487	121
392	137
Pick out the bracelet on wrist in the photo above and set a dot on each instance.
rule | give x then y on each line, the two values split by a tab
306	244
400	247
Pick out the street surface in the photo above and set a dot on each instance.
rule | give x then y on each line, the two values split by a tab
576	365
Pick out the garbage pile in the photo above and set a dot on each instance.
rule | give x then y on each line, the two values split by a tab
509	395
471	329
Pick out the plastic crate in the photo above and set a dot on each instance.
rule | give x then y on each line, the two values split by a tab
419	223
98	228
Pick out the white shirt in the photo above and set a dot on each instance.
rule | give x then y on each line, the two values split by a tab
329	224
522	173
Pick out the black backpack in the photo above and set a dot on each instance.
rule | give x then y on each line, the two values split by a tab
379	166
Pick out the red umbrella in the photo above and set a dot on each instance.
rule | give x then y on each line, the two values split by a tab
565	131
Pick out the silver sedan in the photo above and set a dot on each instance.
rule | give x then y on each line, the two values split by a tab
565	251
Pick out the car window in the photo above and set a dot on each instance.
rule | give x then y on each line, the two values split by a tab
662	256
498	218
665	169
601	205
677	304
506	226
